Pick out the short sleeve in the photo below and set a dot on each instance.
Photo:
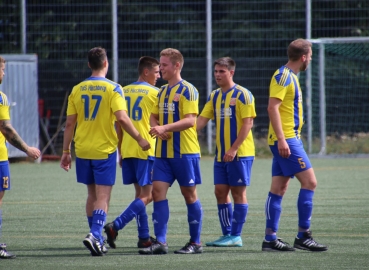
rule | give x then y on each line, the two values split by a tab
208	110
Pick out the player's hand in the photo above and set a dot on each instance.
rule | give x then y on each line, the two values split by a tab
165	136
120	160
229	155
66	161
145	145
157	131
33	152
283	149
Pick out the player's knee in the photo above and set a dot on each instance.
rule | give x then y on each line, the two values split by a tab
158	194
279	189
221	194
190	197
311	184
146	198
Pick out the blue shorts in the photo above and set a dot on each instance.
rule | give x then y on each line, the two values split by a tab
186	170
235	173
135	170
297	162
97	171
4	175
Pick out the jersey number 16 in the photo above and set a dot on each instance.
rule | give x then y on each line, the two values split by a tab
135	113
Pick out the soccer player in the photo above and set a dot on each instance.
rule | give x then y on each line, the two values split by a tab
233	109
94	105
178	157
289	157
137	164
8	133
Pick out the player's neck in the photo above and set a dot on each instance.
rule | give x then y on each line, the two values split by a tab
294	66
226	87
141	79
173	81
98	73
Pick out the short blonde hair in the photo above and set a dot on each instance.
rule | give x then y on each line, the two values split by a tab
174	56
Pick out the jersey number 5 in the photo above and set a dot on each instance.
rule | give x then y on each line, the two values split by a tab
302	163
86	101
136	112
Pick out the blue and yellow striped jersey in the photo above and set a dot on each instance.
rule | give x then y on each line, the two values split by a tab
286	87
95	100
228	109
172	105
4	115
140	98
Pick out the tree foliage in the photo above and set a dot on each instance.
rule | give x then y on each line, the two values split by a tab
255	33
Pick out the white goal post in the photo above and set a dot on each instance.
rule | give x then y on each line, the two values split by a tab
322	42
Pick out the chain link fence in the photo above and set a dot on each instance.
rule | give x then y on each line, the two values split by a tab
255	33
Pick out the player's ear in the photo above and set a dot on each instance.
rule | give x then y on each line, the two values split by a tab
303	58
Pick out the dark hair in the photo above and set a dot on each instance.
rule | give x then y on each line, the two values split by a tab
96	58
226	62
146	62
2	60
298	48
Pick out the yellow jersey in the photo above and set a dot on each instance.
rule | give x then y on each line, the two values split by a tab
140	98
172	105
95	100
4	115
286	87
228	109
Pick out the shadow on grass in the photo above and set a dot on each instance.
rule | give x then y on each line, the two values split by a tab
59	252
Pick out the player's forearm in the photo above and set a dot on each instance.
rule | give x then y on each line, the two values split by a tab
128	127
275	120
68	137
201	122
12	136
69	131
243	133
154	119
181	125
119	131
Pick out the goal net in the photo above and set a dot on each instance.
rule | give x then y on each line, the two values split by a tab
339	101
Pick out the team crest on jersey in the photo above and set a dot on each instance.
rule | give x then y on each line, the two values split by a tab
176	97
232	102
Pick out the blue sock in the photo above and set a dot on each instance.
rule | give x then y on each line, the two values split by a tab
194	218
131	211
89	220
273	210
225	217
305	209
239	218
1	222
142	224
160	218
98	221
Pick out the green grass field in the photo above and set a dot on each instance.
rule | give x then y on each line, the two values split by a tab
44	222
